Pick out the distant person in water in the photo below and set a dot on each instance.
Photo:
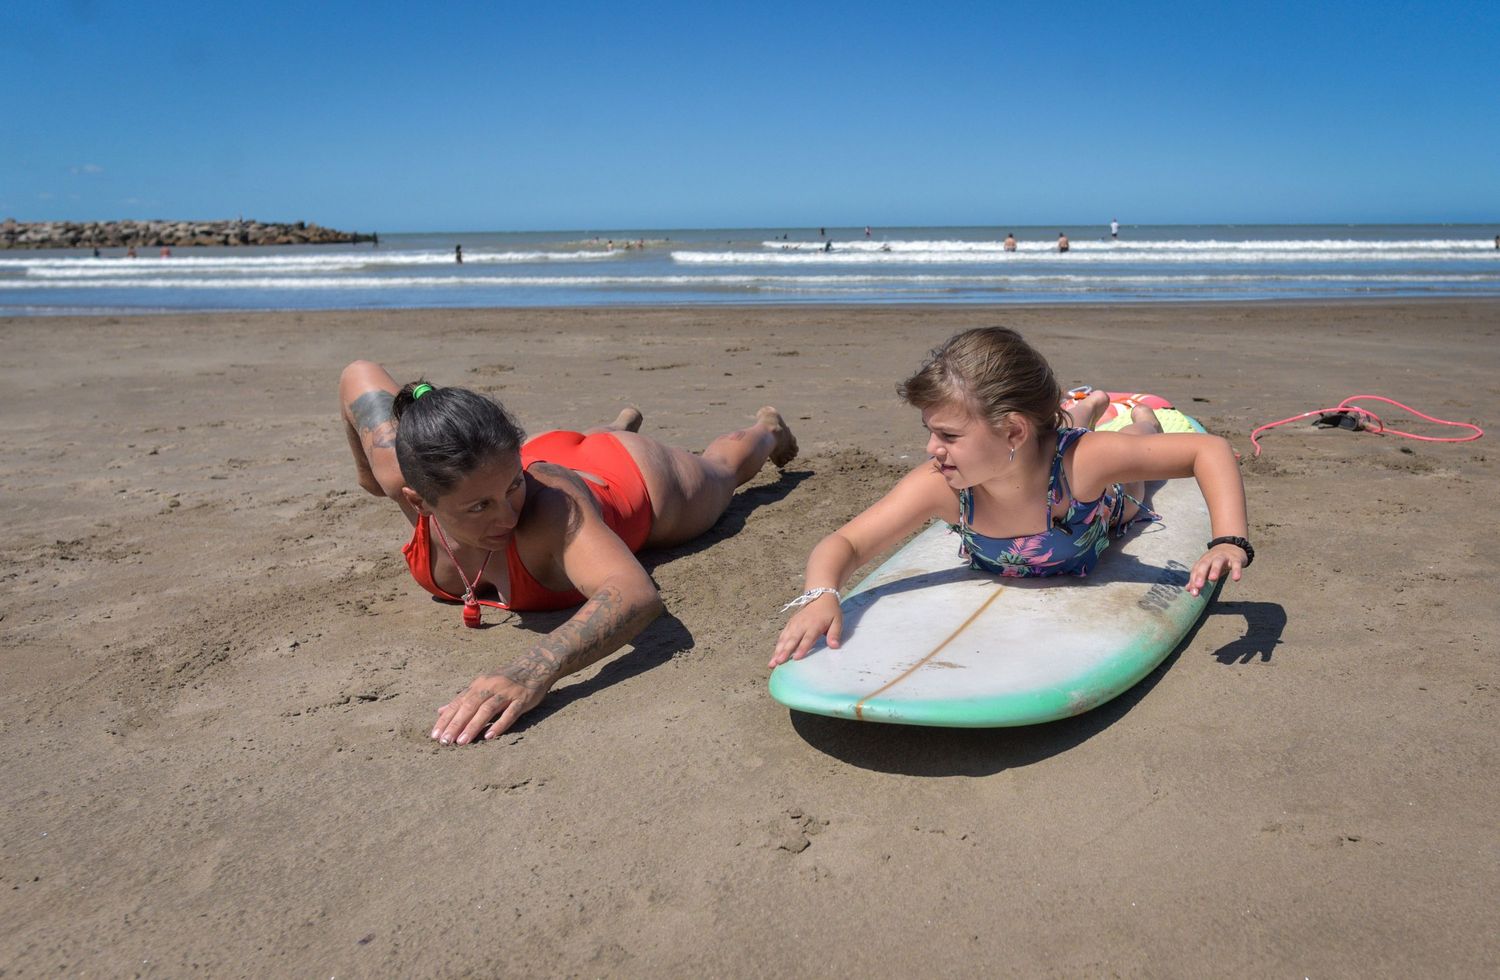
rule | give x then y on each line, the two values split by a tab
1010	241
1062	242
1114	228
130	252
828	246
458	254
166	252
1497	241
822	232
867	231
549	523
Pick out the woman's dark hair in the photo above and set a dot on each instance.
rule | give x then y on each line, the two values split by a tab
444	434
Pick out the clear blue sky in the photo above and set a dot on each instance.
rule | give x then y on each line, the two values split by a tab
495	116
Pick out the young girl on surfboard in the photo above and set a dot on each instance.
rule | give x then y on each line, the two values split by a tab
542	524
1025	483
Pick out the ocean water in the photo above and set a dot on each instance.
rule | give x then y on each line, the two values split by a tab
771	265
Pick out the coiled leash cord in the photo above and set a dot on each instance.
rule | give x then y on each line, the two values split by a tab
1349	416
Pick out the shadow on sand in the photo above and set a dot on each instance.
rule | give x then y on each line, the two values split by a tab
664	639
744	504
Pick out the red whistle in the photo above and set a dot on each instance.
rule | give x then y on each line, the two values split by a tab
471	615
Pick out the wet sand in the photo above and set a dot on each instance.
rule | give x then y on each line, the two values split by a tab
219	679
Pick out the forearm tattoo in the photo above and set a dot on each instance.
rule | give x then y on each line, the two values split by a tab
604	624
372	416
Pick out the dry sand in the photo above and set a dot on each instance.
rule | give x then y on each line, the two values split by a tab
219	679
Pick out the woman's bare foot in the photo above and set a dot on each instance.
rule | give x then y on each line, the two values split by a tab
629	420
785	449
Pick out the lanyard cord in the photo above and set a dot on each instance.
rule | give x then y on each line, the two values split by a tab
471	602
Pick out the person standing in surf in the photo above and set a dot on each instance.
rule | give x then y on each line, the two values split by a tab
1025	483
548	523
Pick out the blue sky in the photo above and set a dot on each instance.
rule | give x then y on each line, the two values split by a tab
505	116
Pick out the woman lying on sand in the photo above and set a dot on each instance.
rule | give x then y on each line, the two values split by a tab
545	524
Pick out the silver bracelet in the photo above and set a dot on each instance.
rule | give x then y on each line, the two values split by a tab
809	596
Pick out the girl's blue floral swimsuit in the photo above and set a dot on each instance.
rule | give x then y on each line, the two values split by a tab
1071	545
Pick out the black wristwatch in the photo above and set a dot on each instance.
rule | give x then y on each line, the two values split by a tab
1242	543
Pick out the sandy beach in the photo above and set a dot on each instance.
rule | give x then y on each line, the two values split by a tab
219	678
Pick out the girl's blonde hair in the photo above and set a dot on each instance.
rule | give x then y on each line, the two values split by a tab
993	373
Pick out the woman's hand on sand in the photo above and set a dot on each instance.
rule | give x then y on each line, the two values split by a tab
1214	563
819	618
461	720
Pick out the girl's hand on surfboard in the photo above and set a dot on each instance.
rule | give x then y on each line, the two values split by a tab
819	618
1215	562
461	720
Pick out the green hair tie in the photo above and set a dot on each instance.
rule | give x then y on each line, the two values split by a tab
421	390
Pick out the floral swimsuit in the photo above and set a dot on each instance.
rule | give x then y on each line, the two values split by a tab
1071	545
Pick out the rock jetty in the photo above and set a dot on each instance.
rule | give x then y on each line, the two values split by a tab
143	234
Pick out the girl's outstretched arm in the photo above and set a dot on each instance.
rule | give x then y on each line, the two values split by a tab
1114	457
920	496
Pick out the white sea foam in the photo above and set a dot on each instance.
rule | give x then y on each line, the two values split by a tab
1172	245
410	282
1077	256
702	269
312	264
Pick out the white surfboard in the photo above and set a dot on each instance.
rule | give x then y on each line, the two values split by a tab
928	641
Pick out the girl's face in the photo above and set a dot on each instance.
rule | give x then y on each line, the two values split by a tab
966	450
483	509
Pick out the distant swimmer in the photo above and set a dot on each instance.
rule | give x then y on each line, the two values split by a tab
885	247
828	246
822	232
867	231
1497	241
166	252
458	254
1114	228
1010	241
1062	242
130	252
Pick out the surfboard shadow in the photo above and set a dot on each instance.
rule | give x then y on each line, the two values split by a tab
911	750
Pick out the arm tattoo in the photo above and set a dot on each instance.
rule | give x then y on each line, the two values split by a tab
604	624
372	416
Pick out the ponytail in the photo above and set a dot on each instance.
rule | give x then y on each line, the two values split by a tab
444	434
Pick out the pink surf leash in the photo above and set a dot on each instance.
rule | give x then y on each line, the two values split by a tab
1370	421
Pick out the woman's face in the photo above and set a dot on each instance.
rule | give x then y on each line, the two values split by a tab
966	450
484	507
